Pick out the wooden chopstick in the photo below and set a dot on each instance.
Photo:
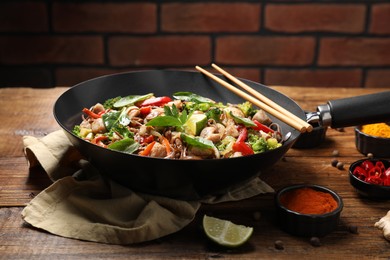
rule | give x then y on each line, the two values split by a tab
288	120
262	98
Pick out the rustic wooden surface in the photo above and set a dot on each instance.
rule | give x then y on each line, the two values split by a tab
26	111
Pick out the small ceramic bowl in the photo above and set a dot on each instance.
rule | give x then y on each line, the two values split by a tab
307	225
369	190
378	146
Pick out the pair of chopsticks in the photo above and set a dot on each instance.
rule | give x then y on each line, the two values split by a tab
259	100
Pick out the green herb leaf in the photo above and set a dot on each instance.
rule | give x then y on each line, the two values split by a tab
121	130
130	100
242	120
183	117
171	111
197	141
110	119
123	118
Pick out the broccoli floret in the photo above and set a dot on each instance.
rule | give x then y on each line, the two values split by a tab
247	108
76	130
226	145
260	144
214	113
273	143
109	103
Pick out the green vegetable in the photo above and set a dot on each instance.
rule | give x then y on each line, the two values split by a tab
126	145
195	123
110	119
189	96
242	120
123	118
76	130
164	121
123	131
171	117
273	143
260	144
130	100
197	141
226	145
247	108
214	113
109	103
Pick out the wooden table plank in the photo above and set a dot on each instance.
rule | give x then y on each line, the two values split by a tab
18	185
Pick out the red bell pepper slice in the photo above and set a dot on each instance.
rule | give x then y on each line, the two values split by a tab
243	148
146	139
262	127
240	145
243	134
91	113
157	101
144	111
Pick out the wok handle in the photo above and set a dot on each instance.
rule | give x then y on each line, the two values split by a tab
359	110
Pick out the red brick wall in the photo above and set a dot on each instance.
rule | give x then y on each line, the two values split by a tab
305	43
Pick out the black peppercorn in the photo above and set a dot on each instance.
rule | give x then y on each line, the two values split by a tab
279	244
340	165
353	229
334	162
315	241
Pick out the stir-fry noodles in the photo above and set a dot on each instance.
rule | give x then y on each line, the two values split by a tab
187	126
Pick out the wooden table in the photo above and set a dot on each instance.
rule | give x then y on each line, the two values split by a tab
26	111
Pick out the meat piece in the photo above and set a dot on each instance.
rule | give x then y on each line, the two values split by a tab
133	112
154	113
85	124
262	117
210	133
98	126
235	111
98	108
231	129
158	150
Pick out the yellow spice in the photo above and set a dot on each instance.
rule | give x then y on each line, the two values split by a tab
378	130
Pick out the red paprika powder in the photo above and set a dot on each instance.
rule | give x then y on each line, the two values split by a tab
308	201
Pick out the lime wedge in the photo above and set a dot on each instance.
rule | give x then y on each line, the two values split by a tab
195	123
226	233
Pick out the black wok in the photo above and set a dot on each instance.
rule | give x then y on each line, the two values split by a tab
183	179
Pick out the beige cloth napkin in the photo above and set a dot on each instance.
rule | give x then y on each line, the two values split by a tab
81	204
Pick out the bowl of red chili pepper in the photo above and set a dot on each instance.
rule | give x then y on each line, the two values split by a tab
371	178
308	210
